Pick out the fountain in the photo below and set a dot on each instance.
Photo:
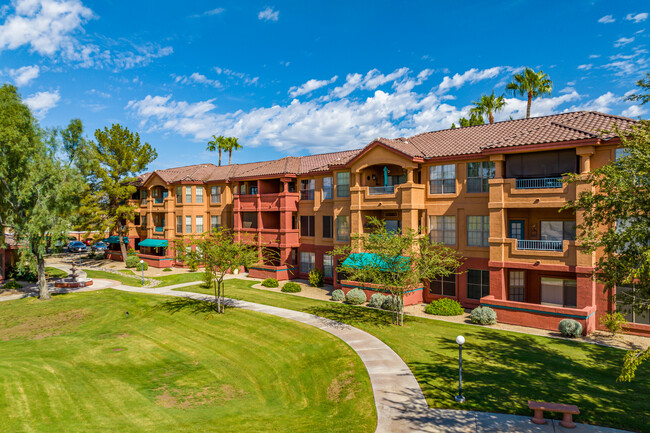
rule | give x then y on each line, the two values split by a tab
73	281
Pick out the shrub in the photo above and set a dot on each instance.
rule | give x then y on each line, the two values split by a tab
483	316
613	322
338	295
132	261
444	307
11	285
167	270
130	252
23	274
570	328
291	287
144	265
270	282
316	278
376	300
356	297
391	303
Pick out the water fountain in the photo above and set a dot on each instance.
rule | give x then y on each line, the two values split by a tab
73	281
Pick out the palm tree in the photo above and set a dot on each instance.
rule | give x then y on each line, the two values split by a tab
231	144
488	104
217	143
530	84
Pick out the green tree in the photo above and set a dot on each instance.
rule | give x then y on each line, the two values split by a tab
116	157
39	192
530	84
217	144
219	253
616	223
231	144
644	84
398	261
474	119
488	105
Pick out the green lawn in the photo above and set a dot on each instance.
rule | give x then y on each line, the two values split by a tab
77	364
129	281
55	272
170	280
501	370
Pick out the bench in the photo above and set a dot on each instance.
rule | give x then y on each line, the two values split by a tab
567	410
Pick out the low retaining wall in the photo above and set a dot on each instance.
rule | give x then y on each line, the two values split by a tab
411	297
540	316
637	329
73	285
157	261
280	273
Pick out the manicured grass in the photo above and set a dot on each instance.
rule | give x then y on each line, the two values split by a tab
501	370
77	363
129	281
170	280
55	272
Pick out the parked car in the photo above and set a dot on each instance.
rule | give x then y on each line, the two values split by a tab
77	247
99	247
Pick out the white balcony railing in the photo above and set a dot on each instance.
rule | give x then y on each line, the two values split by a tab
377	190
539	245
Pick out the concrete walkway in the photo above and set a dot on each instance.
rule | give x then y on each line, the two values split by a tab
401	406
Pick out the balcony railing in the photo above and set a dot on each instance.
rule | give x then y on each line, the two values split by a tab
307	194
158	200
539	183
143	201
539	245
377	190
159	229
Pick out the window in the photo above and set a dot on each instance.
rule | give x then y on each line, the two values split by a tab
328	266
215	194
143	196
188	224
443	229
307	225
442	179
624	297
307	189
558	230
179	194
215	222
136	219
343	228
328	188
199	224
478	283
328	226
307	262
517	286
249	220
478	231
199	194
445	286
621	153
478	174
343	184
179	224
559	292
188	194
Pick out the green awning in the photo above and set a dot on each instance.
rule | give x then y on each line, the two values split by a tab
116	240
370	260
154	243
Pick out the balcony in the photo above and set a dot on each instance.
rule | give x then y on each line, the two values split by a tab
159	229
539	183
143	202
158	200
379	190
536	245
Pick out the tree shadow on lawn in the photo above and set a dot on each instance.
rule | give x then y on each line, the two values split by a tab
501	372
205	306
352	315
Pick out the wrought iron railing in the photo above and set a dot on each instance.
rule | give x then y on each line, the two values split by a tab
539	245
159	229
539	183
377	190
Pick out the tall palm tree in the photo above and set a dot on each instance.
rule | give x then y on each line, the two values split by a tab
217	143
488	105
231	144
530	84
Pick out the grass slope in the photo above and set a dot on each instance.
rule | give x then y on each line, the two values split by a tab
501	370
122	278
77	364
170	280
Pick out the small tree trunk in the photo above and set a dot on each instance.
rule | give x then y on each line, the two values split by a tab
219	157
401	310
491	117
43	290
223	296
120	233
217	292
230	157
530	102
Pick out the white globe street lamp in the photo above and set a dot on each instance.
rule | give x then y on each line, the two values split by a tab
460	340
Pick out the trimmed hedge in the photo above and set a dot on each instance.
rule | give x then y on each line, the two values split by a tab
338	295
291	287
144	265
570	328
11	285
316	278
356	297
132	261
483	316
270	282
376	300
167	270
444	307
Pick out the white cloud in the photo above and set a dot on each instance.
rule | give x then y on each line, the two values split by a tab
606	19
268	14
211	12
594	56
540	107
233	75
98	93
604	103
637	18
197	78
374	79
585	67
634	111
310	86
40	103
621	42
470	76
22	76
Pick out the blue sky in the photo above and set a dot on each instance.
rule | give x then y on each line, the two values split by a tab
294	78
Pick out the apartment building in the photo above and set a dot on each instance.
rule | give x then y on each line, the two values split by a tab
493	192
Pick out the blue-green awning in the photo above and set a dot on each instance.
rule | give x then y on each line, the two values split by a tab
371	260
116	240
154	243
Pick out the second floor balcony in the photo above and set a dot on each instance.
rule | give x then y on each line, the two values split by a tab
539	183
539	245
381	190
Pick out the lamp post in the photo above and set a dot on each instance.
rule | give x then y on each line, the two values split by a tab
142	269
459	398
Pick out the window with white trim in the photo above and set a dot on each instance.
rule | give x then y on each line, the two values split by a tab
442	229
188	194
478	231
188	224
517	286
478	283
307	262
442	179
